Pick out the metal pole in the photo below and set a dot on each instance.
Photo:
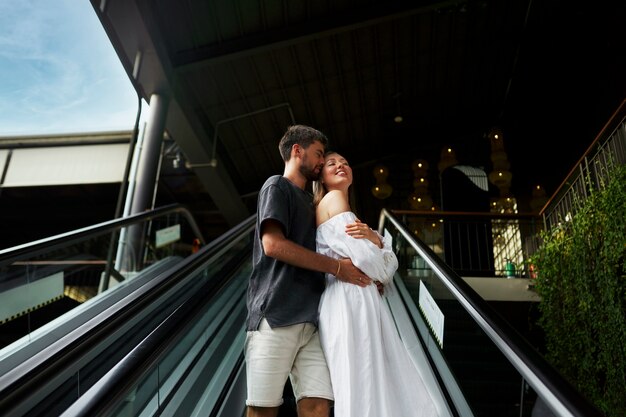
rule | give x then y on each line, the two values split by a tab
147	173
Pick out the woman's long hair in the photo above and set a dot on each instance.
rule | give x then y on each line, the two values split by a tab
319	191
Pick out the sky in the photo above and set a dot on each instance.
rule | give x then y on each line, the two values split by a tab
59	72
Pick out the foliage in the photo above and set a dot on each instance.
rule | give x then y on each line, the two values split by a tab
582	283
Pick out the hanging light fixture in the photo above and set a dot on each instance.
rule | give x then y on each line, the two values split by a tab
501	175
381	189
420	198
447	159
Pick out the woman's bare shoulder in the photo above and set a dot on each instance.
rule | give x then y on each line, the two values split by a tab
333	203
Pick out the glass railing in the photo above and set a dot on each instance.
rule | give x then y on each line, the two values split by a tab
199	368
43	280
52	379
487	368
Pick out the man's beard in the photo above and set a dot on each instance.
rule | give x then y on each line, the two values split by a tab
310	174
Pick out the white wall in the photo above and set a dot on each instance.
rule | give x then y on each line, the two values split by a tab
90	164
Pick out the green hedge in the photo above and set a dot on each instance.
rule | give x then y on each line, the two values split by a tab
582	283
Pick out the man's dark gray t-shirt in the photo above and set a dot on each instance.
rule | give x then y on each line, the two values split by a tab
282	293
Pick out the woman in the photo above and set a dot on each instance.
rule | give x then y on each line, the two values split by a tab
371	371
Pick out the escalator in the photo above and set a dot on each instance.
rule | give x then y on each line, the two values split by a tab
50	364
200	370
174	345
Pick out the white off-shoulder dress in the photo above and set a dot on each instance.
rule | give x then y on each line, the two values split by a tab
371	371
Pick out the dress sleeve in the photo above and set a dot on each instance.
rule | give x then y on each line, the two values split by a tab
379	264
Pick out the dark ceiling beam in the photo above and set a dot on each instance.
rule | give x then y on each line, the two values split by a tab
337	22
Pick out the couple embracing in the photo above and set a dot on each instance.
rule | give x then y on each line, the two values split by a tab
315	310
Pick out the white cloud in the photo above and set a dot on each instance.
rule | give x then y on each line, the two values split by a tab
59	71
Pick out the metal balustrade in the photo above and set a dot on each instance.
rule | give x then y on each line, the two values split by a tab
591	172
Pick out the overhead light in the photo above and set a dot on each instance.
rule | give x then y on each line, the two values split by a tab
398	119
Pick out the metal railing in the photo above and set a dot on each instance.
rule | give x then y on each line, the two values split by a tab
607	150
476	244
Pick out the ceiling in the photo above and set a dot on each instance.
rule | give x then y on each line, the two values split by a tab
236	73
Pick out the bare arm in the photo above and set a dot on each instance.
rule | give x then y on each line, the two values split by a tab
277	246
360	230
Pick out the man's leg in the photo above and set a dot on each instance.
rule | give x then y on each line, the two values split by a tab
310	377
262	411
313	407
269	358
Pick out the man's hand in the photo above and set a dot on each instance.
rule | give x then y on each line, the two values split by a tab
351	274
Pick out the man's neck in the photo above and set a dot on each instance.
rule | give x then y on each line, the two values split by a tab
294	176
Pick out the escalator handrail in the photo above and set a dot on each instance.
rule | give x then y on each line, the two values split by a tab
36	368
106	393
12	254
558	393
113	387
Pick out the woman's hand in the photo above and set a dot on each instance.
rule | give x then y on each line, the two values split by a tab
360	230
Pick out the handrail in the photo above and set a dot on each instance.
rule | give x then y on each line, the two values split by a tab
53	242
557	392
113	386
19	381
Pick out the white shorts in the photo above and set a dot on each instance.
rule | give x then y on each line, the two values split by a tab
273	355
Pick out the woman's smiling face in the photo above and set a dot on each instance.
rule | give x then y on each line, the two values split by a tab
337	173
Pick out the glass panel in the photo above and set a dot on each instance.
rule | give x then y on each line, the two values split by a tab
464	355
197	368
37	290
80	374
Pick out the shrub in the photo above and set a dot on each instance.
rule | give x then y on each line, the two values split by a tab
582	283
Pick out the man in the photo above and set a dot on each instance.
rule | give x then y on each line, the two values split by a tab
286	283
